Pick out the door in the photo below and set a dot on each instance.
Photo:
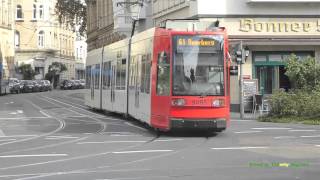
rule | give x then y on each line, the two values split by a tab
161	83
265	75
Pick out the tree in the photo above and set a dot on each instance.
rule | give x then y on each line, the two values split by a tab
73	13
304	73
54	71
27	71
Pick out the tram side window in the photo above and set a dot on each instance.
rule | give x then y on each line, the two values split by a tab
148	73
132	65
97	76
121	74
145	73
88	77
106	75
163	74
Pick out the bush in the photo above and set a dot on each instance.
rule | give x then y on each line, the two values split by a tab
303	101
298	103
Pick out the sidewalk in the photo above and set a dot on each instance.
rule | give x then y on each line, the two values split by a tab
247	116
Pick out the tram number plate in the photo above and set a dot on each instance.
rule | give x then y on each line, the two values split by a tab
200	102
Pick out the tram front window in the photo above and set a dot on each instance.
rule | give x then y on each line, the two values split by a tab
198	66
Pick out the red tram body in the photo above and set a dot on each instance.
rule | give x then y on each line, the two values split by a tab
166	78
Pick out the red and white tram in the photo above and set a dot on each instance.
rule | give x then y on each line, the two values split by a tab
166	78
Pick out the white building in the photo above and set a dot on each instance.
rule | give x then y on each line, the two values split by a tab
40	39
80	56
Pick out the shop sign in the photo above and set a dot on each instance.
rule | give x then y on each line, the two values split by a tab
280	26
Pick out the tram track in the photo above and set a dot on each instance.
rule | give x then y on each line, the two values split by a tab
103	168
109	167
61	126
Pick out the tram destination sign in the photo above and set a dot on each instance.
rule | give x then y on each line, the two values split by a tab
198	43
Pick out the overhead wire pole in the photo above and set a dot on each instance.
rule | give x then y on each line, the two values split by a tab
134	22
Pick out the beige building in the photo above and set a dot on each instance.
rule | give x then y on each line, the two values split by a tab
111	20
270	29
6	40
40	39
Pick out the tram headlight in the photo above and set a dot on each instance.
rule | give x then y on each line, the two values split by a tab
218	103
178	102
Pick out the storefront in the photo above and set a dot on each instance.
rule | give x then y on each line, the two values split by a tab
270	42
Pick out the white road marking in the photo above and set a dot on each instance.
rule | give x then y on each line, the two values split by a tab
284	137
24	118
1	140
13	113
109	142
167	140
31	135
19	111
240	148
247	132
302	130
143	151
271	128
317	145
33	155
61	137
45	114
310	136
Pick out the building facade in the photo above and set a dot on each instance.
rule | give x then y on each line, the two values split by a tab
6	41
270	29
111	20
40	39
80	55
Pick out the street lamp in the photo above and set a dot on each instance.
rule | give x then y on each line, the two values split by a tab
246	52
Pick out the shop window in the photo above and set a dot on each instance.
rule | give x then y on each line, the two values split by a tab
275	57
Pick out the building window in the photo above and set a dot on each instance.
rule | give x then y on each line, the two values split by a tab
41	11
19	12
41	39
17	39
34	12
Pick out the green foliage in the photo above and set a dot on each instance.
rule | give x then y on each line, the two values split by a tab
303	74
303	101
298	103
27	71
57	67
73	13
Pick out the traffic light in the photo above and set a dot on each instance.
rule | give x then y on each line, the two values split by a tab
239	56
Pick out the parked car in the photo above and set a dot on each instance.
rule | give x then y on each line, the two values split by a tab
37	87
14	86
76	84
66	84
83	83
47	85
28	86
